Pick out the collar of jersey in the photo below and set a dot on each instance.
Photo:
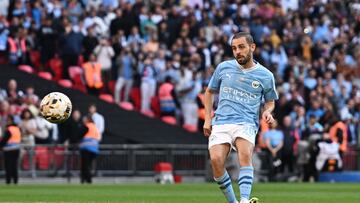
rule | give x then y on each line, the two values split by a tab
248	69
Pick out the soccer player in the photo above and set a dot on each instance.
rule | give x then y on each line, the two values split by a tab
242	85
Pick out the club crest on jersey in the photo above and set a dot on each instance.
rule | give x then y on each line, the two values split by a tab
255	84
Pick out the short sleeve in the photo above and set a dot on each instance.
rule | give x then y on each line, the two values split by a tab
215	80
270	92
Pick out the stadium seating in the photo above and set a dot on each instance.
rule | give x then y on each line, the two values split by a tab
35	59
190	128
126	106
26	68
55	65
107	97
135	97
148	113
65	83
169	120
45	75
76	74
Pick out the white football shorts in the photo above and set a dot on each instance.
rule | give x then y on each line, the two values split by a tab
227	133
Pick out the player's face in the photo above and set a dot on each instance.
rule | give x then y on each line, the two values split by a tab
242	50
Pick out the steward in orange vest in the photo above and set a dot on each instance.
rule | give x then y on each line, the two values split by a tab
339	134
10	144
89	148
17	49
167	98
92	71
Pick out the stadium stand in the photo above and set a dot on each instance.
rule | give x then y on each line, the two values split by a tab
311	46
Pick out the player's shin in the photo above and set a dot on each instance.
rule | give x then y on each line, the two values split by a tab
245	181
225	185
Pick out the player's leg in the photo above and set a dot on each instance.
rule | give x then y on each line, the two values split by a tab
245	150
218	155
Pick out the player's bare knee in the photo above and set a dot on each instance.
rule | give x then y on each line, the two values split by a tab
245	158
217	160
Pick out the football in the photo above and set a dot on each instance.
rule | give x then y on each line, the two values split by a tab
55	107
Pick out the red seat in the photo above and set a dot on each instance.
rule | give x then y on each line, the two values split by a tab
169	120
35	58
75	70
135	97
58	156
45	75
111	86
155	106
126	106
65	83
25	162
107	97
81	60
190	128
55	65
76	73
148	113
42	157
26	68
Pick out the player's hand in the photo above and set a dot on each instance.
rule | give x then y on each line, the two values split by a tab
268	117
207	128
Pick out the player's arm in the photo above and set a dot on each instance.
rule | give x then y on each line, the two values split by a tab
208	103
268	109
213	87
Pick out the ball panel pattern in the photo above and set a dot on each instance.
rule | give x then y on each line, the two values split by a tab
55	107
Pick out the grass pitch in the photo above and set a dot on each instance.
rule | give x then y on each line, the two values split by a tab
181	193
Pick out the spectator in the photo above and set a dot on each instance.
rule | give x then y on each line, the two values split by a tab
274	140
30	97
10	144
70	46
328	158
188	97
125	75
314	128
90	42
47	44
104	53
92	72
168	98
315	57
12	94
28	128
291	138
339	134
17	47
97	118
89	148
148	84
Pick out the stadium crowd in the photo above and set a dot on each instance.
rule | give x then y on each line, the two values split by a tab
168	49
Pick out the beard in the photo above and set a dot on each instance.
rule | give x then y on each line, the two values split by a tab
244	60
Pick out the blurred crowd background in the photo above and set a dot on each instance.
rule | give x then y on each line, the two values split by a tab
157	57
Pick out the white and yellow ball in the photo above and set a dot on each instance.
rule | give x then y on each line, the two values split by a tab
55	107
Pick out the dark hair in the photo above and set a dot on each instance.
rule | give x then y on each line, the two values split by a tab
10	120
22	115
88	117
247	35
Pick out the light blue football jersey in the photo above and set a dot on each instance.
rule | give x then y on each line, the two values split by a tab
241	92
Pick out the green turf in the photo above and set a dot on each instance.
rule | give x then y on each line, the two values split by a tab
181	193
